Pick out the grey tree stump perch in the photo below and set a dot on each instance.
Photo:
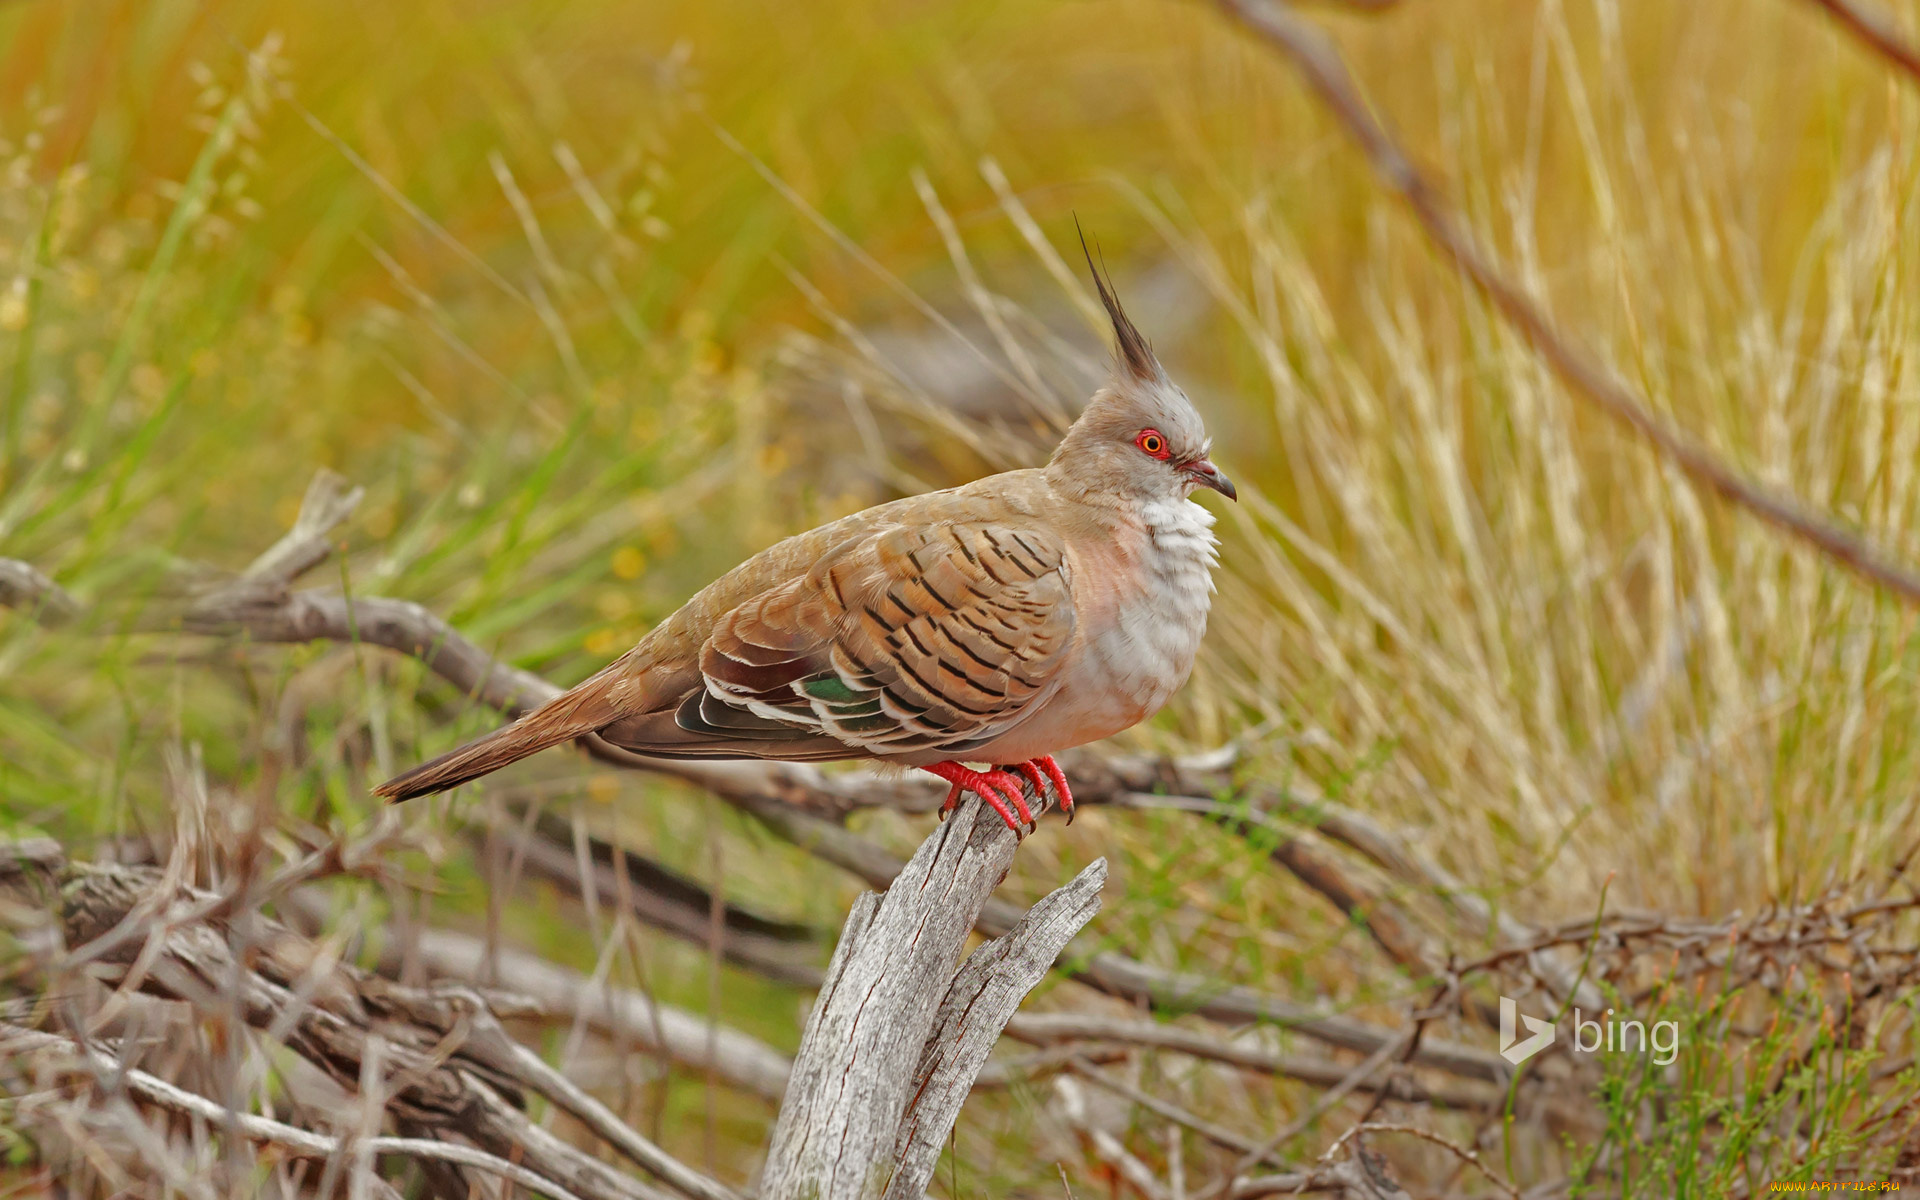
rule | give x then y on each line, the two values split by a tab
898	1034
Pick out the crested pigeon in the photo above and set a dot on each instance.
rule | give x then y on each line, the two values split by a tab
997	622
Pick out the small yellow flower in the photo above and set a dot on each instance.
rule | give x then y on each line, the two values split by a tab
149	381
628	562
601	641
13	306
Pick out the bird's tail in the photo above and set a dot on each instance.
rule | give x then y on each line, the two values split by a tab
565	717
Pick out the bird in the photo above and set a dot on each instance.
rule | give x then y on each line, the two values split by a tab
997	623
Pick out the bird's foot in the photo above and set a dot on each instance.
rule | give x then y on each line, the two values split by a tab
998	788
1048	777
1062	794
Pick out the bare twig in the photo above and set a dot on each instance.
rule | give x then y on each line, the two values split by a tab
437	1076
1067	1028
329	501
546	990
106	1070
665	899
487	1043
1172	1112
24	587
1877	32
1313	54
1465	1155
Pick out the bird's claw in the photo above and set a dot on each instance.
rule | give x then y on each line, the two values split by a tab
998	789
1002	790
1031	769
1047	777
1062	794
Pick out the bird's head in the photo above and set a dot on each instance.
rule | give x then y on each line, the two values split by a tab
1139	436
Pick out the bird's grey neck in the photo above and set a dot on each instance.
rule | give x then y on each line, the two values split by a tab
1114	508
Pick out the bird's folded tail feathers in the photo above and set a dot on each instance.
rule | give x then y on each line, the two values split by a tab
562	719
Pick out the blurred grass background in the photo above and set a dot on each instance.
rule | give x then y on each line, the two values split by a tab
573	291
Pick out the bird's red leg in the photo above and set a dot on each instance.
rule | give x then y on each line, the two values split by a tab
1062	794
952	801
1031	769
995	787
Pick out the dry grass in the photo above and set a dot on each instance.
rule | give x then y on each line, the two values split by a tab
598	353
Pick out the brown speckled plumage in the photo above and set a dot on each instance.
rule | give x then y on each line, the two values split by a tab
996	622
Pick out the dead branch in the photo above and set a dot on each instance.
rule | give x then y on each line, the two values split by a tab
445	1066
1319	63
1084	1029
26	588
1125	977
329	501
1877	32
663	898
107	1072
533	988
992	982
896	1037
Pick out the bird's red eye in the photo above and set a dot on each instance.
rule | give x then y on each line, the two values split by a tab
1153	442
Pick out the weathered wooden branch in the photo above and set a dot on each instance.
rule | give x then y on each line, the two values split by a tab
897	1036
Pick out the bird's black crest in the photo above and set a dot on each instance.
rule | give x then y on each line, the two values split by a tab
1135	354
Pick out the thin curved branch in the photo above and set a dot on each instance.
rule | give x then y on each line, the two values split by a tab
1313	54
1877	32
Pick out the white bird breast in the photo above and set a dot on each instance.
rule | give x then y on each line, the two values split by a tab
1147	651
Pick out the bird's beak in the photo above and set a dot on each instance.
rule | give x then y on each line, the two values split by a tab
1206	475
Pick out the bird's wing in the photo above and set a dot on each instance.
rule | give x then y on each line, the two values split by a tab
900	640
